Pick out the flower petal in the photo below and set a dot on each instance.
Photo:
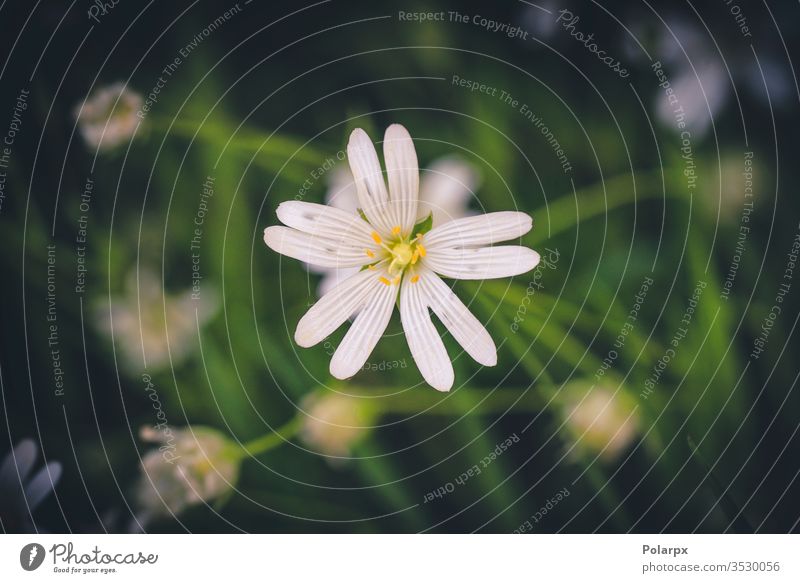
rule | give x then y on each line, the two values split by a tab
366	330
42	484
480	230
335	307
482	263
368	176
423	339
328	222
459	321
402	170
445	189
19	463
314	249
333	277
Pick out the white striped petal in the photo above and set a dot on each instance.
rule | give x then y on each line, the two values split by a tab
366	330
333	277
335	307
370	185
402	170
314	249
480	230
423	339
459	321
327	222
482	263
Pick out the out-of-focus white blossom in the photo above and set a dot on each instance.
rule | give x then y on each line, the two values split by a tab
146	322
191	466
109	116
333	423
21	489
600	420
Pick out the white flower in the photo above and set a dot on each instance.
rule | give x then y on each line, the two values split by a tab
445	188
700	92
333	423
147	323
191	466
602	421
108	117
396	260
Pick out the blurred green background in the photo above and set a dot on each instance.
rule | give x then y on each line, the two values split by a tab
258	105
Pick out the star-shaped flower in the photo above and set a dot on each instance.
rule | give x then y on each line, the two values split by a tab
397	255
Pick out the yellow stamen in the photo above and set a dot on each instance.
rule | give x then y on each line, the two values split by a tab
376	237
369	253
415	279
414	256
384	281
396	280
395	230
421	249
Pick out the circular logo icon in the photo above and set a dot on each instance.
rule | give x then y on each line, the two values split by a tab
31	556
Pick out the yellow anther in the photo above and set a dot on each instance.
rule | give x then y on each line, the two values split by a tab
414	256
376	237
415	279
369	253
395	230
421	249
396	280
384	281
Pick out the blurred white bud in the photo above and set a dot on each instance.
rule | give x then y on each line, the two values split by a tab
601	421
333	423
145	321
190	466
109	117
733	186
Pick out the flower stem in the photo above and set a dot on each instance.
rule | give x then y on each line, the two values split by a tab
273	439
480	402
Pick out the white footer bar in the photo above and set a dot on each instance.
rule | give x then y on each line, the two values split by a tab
389	558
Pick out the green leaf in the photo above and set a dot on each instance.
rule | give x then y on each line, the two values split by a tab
423	226
363	215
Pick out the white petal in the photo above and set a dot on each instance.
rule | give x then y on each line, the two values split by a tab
366	330
402	170
368	176
314	249
445	190
333	277
327	222
334	308
423	339
459	321
482	263
480	230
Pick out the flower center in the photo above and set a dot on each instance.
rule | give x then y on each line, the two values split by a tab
402	253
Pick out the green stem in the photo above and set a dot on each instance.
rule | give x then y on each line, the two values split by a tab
271	440
478	401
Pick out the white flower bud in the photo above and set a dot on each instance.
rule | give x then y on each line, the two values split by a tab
191	466
334	423
109	116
